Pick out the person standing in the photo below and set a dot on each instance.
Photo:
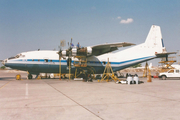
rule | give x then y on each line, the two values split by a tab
78	46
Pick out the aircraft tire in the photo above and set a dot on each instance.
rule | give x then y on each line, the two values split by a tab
52	76
29	76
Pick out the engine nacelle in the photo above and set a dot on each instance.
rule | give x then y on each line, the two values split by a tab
65	53
78	52
89	51
74	52
84	51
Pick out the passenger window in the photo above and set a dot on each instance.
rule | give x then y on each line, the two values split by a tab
46	60
171	71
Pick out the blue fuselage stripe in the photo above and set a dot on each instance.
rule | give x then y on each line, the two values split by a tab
52	66
94	62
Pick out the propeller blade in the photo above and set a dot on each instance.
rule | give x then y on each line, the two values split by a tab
63	43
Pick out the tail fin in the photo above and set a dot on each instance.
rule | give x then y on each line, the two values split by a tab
154	39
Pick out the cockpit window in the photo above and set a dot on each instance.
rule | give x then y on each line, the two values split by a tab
17	56
20	56
11	58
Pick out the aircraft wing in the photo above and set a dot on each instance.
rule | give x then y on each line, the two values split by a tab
108	47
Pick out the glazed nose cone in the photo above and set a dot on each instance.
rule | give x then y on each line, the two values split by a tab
4	62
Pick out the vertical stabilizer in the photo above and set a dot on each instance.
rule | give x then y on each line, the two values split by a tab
154	39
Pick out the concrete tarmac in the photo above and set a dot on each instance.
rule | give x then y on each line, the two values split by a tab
54	99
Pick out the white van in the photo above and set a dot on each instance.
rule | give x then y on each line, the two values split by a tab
172	73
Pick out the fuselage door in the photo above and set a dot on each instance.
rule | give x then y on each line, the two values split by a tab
46	65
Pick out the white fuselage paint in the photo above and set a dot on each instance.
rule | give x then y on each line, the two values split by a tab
48	61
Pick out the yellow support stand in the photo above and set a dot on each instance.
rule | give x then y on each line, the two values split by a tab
69	69
38	78
147	73
80	71
77	74
18	77
82	61
146	70
92	72
59	68
108	72
167	64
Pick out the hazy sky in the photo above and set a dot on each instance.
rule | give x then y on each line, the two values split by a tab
40	24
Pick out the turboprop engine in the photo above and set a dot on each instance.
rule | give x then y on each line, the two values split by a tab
87	51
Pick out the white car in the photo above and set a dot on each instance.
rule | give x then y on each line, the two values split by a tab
172	73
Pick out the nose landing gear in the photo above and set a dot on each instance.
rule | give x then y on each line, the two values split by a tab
29	76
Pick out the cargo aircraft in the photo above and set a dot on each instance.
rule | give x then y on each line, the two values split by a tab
97	56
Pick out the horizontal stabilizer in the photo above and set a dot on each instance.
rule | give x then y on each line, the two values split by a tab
159	55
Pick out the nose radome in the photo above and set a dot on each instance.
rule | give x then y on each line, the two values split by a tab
4	61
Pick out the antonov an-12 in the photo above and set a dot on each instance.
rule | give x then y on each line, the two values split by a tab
46	61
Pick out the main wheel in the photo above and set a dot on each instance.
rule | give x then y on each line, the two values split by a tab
164	77
29	76
52	76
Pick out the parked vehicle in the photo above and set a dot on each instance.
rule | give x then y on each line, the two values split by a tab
172	73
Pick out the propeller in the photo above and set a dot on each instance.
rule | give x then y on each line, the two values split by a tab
71	41
62	44
69	58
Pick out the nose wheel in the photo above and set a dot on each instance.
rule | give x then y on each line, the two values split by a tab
29	76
